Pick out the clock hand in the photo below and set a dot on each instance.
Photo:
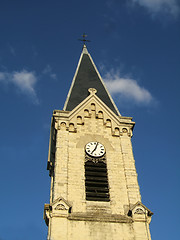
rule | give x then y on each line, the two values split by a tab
94	148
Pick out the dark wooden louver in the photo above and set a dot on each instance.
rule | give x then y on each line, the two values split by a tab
96	181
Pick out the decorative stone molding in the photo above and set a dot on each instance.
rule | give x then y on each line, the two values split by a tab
62	126
86	113
60	207
108	123
46	214
116	132
79	120
100	114
92	91
140	213
114	218
93	107
60	203
71	127
95	160
124	130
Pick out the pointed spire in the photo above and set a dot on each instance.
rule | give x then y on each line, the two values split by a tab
87	76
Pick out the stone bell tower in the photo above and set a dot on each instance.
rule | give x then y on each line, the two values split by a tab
94	191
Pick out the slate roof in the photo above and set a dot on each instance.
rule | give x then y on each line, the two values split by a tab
87	76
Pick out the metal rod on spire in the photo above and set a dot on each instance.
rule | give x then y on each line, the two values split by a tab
84	40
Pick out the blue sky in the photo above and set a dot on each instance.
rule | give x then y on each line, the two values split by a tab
135	46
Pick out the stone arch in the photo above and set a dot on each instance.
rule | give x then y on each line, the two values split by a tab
100	114
124	130
116	131
93	106
108	123
86	113
63	125
71	127
79	120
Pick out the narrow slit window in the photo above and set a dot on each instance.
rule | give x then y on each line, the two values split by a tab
96	181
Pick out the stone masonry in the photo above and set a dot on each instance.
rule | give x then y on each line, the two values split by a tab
69	215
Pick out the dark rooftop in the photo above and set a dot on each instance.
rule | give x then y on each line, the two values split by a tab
87	77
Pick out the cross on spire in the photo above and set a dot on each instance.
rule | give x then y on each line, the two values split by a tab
84	40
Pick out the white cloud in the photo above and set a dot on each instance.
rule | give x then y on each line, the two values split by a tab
127	88
23	80
155	6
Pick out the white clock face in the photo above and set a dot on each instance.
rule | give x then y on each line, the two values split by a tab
95	149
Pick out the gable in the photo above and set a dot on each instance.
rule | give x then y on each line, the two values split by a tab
92	107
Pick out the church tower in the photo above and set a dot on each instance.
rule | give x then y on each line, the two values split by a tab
94	191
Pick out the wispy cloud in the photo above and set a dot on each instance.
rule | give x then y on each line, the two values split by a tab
127	88
154	7
12	50
48	70
23	80
2	76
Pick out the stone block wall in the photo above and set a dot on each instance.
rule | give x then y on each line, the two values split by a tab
91	220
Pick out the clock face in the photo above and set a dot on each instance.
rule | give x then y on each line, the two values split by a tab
95	149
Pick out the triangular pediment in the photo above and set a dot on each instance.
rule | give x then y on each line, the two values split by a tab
94	107
60	204
94	103
139	209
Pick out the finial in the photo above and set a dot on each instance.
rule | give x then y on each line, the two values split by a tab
84	40
92	91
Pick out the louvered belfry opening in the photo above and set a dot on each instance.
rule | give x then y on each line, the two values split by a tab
96	181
